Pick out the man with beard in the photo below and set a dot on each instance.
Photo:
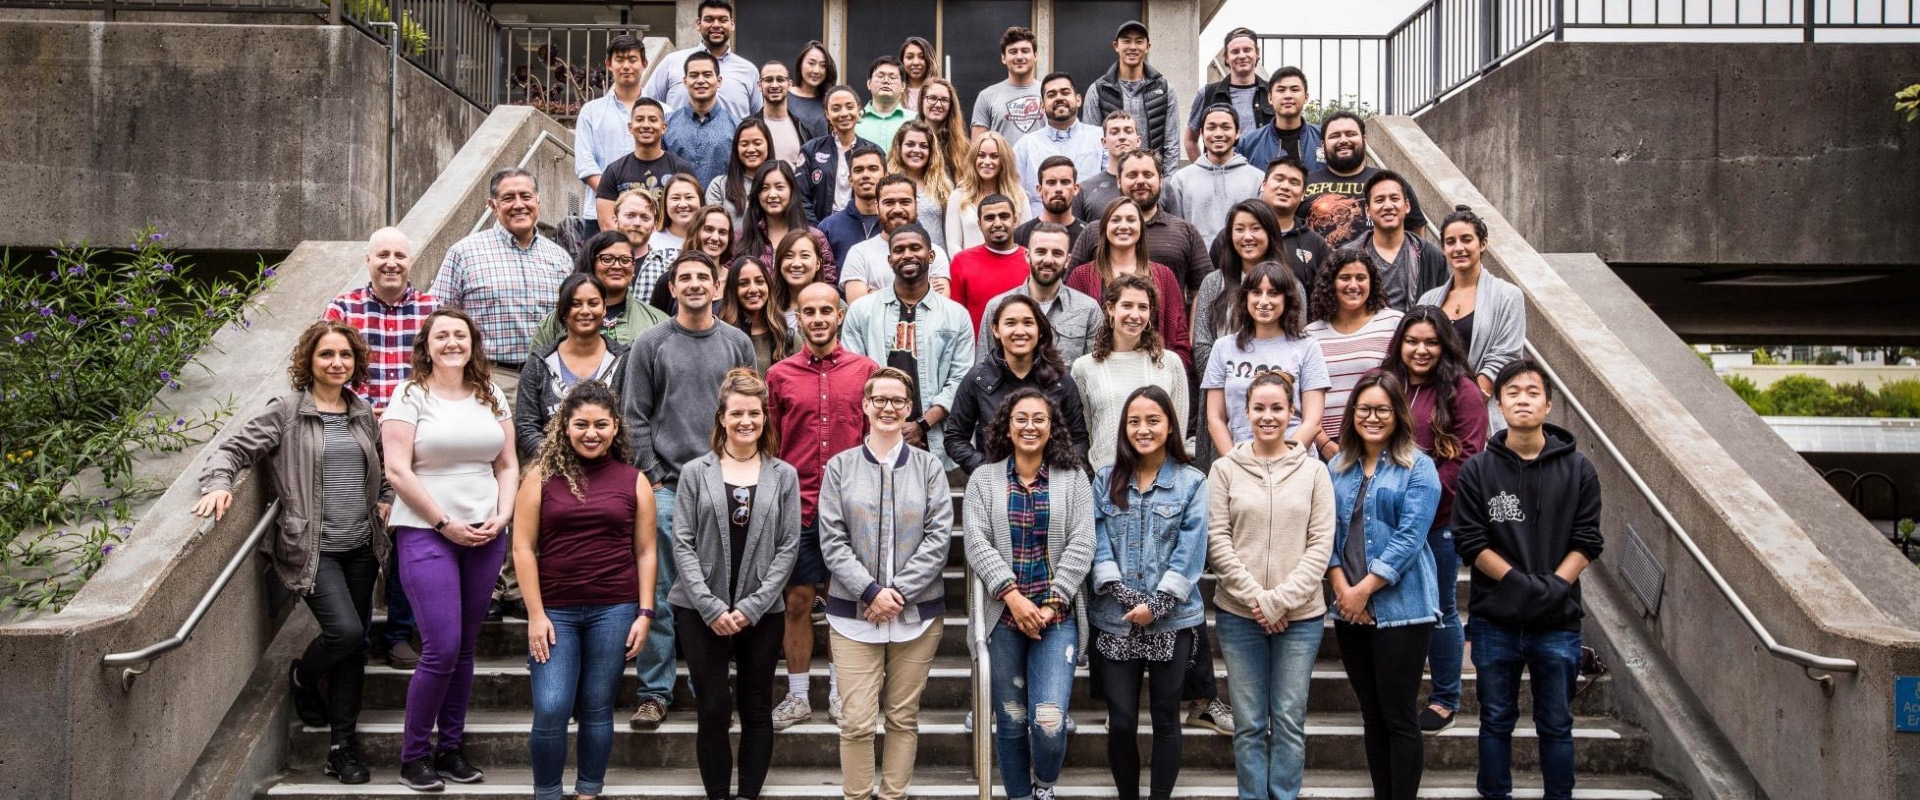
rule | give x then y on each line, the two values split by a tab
1059	193
1171	241
1409	265
993	266
1204	190
1242	90
916	331
1075	317
860	220
1333	207
868	265
737	93
1131	85
788	129
1065	135
1119	135
1290	133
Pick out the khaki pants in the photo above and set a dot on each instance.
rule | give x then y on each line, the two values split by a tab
873	678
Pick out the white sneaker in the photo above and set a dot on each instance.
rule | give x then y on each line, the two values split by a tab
834	711
791	711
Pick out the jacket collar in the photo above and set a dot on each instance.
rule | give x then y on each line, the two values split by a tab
357	406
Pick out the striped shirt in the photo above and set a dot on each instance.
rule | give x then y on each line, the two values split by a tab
506	288
1027	528
389	331
1349	356
343	508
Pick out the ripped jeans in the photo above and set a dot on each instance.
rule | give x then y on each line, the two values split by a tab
1032	681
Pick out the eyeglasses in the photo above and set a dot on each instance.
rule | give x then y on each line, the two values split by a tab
934	98
609	259
1035	421
889	402
743	502
1380	412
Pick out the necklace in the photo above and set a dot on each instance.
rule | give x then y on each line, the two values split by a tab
750	456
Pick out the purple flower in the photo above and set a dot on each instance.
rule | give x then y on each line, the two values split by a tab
126	337
157	236
179	422
166	266
106	550
46	311
24	338
119	301
269	273
77	269
165	376
128	322
152	311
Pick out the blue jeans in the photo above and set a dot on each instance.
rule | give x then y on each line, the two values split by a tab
1032	682
1553	659
582	673
1270	678
1443	653
655	665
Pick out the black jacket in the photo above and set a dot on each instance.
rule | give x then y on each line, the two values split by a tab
1531	513
978	401
540	393
1220	92
819	171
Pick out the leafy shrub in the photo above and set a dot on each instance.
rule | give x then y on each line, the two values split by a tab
1907	101
1755	397
413	37
1900	398
87	351
1318	110
1799	396
1806	396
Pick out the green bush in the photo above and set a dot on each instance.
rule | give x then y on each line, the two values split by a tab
413	37
1900	398
1317	110
1806	396
1755	397
1800	396
88	350
1907	101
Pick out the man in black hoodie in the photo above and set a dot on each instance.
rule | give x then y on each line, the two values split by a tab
1526	515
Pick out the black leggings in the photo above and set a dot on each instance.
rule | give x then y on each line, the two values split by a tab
342	602
1384	666
1121	680
753	652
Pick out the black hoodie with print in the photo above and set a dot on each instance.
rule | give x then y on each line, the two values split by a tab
1531	513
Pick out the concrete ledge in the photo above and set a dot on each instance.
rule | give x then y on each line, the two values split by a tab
1797	742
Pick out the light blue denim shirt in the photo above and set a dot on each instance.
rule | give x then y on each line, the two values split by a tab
1399	508
1158	543
600	137
942	340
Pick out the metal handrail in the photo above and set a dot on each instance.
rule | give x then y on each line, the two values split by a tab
524	161
137	662
982	685
1818	668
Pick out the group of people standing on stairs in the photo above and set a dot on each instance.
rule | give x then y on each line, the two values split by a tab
681	434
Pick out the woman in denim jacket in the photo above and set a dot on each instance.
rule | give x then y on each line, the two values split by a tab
1150	543
1385	598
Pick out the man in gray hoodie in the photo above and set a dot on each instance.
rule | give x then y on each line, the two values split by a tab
672	393
1202	192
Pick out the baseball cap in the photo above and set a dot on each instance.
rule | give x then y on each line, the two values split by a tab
1131	25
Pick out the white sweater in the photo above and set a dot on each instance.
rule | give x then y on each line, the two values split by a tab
1104	386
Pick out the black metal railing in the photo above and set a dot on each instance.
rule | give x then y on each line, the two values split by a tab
1445	44
557	68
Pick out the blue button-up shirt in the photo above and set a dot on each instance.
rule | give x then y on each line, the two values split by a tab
941	338
739	82
706	142
600	135
1081	142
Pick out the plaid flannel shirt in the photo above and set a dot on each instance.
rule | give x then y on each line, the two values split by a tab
389	331
506	288
1027	520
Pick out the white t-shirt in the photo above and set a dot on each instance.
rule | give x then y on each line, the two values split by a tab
454	445
1232	369
867	262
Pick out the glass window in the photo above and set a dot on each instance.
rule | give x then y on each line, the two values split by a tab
775	30
1083	35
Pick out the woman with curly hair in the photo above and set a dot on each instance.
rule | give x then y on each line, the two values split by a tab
1351	319
989	169
752	148
1021	354
1030	537
1127	354
916	154
584	551
451	459
324	451
773	210
939	107
746	302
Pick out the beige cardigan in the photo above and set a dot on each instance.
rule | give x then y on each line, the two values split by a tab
1269	532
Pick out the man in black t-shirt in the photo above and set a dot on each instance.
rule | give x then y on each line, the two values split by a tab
1334	205
648	167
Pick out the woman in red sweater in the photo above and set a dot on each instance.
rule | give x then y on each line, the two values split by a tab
1122	251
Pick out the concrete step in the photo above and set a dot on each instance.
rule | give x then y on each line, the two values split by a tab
503	684
499	739
949	783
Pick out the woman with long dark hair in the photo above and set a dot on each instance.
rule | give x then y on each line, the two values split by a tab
1151	545
584	552
918	63
710	232
587	353
752	148
1122	250
796	263
1385	601
814	72
323	447
1127	354
1488	314
916	154
1351	320
775	210
1253	236
1450	425
734	552
746	302
1268	334
1030	538
451	459
680	199
1022	355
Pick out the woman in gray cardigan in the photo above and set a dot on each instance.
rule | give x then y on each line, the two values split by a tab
734	541
322	449
1490	314
1030	538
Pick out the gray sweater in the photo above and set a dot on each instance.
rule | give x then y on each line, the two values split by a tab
885	525
1203	192
672	391
702	542
1070	537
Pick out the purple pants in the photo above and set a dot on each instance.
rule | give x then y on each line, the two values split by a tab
449	587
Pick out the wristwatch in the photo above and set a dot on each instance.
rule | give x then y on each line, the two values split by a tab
441	526
924	426
647	612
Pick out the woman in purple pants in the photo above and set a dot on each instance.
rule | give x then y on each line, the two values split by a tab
448	437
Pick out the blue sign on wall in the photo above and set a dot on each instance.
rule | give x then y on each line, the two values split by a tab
1906	704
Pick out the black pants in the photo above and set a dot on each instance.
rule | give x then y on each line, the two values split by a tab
342	602
753	653
1384	666
1165	679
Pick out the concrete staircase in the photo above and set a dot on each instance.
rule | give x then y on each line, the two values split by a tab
1613	757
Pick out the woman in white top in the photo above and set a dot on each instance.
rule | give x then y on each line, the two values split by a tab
988	170
1354	325
1127	354
449	457
681	197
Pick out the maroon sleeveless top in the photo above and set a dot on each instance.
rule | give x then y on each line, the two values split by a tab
586	546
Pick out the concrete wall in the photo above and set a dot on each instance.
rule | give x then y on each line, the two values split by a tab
1697	154
74	734
230	137
1792	549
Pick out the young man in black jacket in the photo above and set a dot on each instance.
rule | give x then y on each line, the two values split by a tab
1526	515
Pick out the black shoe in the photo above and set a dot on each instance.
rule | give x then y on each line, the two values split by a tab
307	702
1432	721
494	611
452	765
344	762
420	776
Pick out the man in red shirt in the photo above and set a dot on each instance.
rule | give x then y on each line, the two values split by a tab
816	408
982	272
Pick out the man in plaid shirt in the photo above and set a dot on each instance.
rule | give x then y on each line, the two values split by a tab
387	312
506	277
